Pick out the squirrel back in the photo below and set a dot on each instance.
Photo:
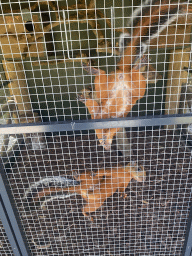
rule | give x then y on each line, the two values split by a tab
147	22
94	188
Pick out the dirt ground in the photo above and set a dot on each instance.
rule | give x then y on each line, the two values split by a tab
151	220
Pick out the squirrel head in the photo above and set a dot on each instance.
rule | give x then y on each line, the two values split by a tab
137	172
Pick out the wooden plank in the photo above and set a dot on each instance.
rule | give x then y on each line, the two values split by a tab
14	37
176	76
19	89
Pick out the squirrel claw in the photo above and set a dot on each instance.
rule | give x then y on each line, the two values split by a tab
81	98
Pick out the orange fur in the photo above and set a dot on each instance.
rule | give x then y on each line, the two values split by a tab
96	188
117	92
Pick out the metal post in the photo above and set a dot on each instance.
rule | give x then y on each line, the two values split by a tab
10	218
187	248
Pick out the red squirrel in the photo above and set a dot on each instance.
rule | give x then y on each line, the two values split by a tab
116	93
96	188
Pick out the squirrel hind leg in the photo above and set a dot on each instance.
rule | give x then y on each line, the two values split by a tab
85	94
87	215
103	138
92	205
106	136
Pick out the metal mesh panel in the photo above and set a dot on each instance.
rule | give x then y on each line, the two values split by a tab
108	191
150	220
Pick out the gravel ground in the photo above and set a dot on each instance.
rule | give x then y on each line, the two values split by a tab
151	220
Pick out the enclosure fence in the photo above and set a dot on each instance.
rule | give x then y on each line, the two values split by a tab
96	127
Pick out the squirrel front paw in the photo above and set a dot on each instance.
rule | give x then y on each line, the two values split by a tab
85	94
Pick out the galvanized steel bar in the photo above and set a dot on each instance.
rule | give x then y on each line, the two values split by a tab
96	124
187	248
10	219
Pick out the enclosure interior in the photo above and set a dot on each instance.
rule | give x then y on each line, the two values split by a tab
45	49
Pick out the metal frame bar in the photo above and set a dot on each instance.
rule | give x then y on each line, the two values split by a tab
96	124
10	218
8	212
187	248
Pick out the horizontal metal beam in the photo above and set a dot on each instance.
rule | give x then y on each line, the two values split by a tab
187	248
96	124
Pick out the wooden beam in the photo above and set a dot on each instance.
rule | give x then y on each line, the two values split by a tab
176	76
19	89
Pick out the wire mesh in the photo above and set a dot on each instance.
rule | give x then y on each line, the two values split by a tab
113	191
150	220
